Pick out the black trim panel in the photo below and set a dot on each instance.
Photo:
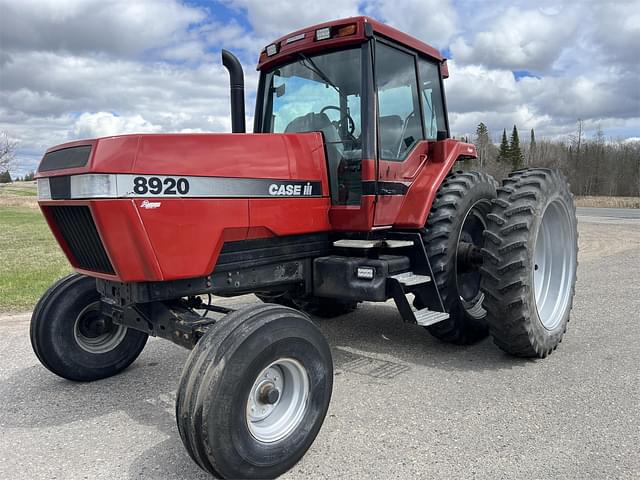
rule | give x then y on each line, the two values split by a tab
71	157
384	188
60	187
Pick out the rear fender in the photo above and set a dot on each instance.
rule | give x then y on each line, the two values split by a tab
440	160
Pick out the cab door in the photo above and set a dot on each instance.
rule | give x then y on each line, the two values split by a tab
409	115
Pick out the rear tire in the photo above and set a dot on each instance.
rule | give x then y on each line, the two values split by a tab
457	215
254	392
72	339
530	262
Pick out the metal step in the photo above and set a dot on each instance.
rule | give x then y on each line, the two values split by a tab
410	279
366	244
426	317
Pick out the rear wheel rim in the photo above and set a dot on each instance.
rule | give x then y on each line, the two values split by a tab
468	282
554	264
271	419
95	334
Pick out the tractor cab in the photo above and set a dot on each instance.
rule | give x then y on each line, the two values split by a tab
374	97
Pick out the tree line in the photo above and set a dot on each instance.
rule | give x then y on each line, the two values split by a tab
594	166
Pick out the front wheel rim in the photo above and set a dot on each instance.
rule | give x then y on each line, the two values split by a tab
272	416
95	334
554	264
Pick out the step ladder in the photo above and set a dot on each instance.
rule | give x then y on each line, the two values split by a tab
400	286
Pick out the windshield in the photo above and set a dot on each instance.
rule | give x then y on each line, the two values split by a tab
321	93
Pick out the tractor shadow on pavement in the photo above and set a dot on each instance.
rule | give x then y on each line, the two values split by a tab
376	331
372	341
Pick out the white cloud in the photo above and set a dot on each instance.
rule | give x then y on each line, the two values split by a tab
119	27
275	19
432	21
528	40
106	124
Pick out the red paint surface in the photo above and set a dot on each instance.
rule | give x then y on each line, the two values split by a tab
440	159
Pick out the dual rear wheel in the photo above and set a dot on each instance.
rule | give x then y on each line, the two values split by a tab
504	259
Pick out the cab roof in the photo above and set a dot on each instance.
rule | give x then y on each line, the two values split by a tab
304	40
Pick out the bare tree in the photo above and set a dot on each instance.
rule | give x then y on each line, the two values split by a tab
7	149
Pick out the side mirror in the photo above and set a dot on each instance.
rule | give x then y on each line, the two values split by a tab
441	135
280	89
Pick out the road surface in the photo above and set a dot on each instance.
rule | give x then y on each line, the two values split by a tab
404	404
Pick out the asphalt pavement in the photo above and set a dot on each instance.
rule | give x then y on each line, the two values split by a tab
629	213
404	405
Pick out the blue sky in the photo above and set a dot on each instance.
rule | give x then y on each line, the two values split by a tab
83	68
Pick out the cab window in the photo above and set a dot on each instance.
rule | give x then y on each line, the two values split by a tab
431	97
399	123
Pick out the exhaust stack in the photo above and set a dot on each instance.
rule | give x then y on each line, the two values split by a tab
236	83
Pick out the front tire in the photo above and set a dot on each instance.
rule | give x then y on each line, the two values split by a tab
254	392
530	262
73	340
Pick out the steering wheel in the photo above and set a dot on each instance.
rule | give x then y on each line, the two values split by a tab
351	125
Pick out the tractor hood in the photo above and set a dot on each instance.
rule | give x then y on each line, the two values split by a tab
221	158
144	208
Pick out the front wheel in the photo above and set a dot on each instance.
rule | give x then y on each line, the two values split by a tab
254	392
71	337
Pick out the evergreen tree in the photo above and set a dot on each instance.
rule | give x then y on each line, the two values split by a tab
515	153
5	177
504	151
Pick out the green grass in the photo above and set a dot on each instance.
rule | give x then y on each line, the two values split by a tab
30	258
21	189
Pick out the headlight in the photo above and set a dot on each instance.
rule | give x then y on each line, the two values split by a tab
94	185
44	191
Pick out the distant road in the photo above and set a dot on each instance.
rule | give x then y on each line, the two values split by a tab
630	213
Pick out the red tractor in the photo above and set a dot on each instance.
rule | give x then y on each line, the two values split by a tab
347	191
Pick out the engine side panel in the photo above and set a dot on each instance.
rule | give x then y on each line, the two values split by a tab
241	186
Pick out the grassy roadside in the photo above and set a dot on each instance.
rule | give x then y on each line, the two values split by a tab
30	259
608	202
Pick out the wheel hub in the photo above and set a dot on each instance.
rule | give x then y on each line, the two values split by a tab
269	394
96	334
469	259
277	400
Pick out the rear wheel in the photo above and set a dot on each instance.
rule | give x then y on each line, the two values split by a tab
71	337
530	262
254	392
454	236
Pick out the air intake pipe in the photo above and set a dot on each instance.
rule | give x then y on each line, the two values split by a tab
236	83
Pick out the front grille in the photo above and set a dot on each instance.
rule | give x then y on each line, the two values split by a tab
79	231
